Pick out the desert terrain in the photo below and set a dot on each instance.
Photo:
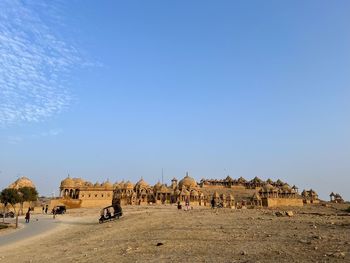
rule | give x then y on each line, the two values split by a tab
165	234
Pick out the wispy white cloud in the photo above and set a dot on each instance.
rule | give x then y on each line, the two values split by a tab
52	132
34	63
14	139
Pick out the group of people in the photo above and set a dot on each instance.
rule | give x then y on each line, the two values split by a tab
187	205
45	209
27	215
213	203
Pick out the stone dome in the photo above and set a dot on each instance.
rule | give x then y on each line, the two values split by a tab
116	185
164	189
107	184
22	182
97	184
256	180
286	188
268	188
241	180
68	183
78	182
269	181
141	184
279	182
157	186
128	185
229	179
187	182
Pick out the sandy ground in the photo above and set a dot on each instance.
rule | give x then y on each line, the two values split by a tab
313	234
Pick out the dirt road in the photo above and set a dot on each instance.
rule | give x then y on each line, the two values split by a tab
164	234
38	225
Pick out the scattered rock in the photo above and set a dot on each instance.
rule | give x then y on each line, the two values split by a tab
243	253
338	254
159	244
128	249
290	213
304	241
279	214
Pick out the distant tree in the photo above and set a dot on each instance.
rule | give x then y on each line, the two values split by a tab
4	201
12	197
28	194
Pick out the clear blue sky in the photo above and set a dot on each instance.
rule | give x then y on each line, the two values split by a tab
122	89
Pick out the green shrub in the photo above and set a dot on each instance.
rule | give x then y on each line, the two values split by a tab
3	226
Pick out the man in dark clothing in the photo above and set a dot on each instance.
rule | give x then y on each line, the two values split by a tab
212	203
27	217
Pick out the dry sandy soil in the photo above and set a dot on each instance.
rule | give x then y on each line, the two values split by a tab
313	234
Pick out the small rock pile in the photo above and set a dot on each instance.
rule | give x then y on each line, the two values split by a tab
284	213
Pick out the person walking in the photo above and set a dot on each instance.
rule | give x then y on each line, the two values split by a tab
27	217
54	213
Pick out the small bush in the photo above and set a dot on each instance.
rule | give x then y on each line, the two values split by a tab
3	226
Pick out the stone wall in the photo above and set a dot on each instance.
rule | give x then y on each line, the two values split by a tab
96	195
279	202
76	203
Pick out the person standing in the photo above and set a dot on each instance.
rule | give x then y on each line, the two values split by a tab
213	203
179	205
46	208
27	217
187	202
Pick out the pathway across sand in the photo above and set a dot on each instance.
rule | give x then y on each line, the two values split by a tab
38	225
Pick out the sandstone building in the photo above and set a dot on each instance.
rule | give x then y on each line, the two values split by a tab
228	192
19	183
76	192
22	182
